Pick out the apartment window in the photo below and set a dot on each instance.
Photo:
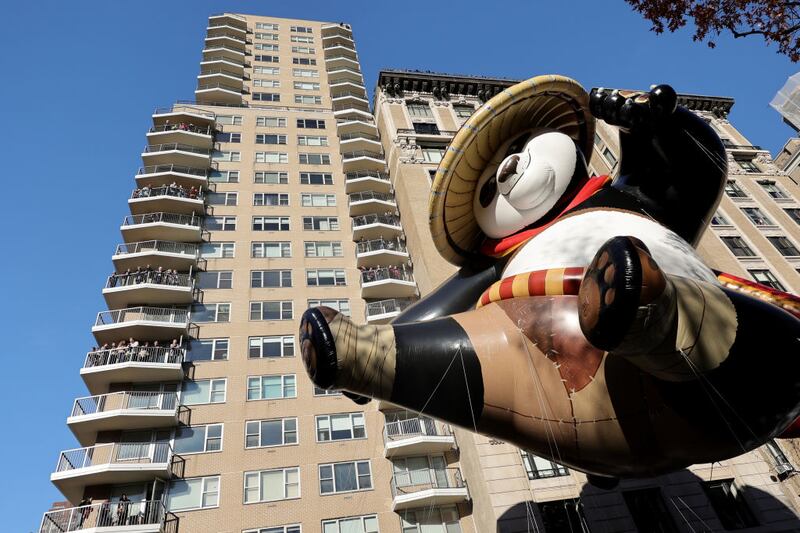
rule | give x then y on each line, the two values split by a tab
272	157
598	141
270	223
266	84
344	477
270	122
305	73
428	128
266	26
729	504
343	306
794	214
300	29
269	347
270	199
272	177
203	391
211	312
229	120
784	246
323	392
782	462
719	220
538	467
271	485
431	520
306	85
198	439
325	277
303	50
738	247
352	524
316	178
266	47
304	61
312	140
220	223
260	279
222	198
310	123
610	157
419	110
223	176
747	165
773	190
463	111
278	529
317	200
320	223
733	190
267	36
267	249
215	279
213	250
433	154
228	137
302	39
267	97
565	516
323	249
266	433
765	277
345	426
269	71
265	138
271	387
272	310
196	493
226	157
756	216
208	350
648	510
315	159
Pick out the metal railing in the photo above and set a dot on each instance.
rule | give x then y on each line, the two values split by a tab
368	120
361	153
730	146
167	147
116	401
133	453
135	354
367	136
366	174
178	191
179	169
158	276
332	58
168	247
225	72
377	245
413	427
383	307
342	70
362	96
364	220
167	218
208	59
370	195
409	131
362	107
167	315
207	86
228	34
106	514
182	126
372	275
219	47
425	479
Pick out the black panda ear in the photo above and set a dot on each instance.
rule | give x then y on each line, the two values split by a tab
518	144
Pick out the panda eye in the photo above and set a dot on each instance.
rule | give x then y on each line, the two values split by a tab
488	192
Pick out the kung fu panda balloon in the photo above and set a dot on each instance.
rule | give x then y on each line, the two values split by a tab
582	325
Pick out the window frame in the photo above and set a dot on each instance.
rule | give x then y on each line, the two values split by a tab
204	480
284	378
284	432
281	341
258	473
351	416
282	246
206	438
282	277
214	341
356	474
281	304
211	391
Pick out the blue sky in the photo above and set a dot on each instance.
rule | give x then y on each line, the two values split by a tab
80	80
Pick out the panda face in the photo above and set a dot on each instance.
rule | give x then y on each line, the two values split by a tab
524	180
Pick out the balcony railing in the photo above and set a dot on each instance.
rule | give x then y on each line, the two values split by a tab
138	401
413	427
207	86
179	169
220	47
368	120
177	191
218	34
384	307
115	453
166	218
379	245
371	195
156	277
107	515
361	153
167	147
137	354
343	69
183	126
365	220
426	479
167	315
224	72
367	136
208	59
408	131
366	174
372	275
347	94
167	247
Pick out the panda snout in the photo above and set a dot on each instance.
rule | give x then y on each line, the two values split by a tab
507	168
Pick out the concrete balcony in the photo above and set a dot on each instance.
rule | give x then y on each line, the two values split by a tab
363	160
342	74
219	93
167	254
169	199
176	154
157	286
338	39
383	311
216	28
226	52
345	126
349	100
369	227
231	38
388	282
367	180
417	436
112	463
377	252
330	30
228	19
353	114
157	175
183	131
162	227
362	203
122	411
138	364
156	323
337	61
428	488
358	142
149	516
340	50
223	76
210	62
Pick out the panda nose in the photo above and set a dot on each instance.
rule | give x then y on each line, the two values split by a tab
507	168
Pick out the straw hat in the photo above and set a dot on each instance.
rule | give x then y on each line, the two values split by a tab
551	101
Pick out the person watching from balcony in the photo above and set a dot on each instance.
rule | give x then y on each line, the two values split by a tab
122	510
84	510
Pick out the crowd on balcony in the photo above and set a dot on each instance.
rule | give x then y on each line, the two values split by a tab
389	217
378	273
132	350
173	189
123	512
184	126
147	274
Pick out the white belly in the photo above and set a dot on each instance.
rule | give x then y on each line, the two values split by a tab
573	242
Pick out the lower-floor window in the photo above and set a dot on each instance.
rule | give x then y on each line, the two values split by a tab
196	493
538	467
271	485
278	529
566	516
352	524
430	520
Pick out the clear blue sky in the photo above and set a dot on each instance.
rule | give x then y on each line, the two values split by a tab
80	79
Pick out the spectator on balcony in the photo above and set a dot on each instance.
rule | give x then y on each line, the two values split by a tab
172	189
122	510
193	193
84	510
143	352
159	275
174	349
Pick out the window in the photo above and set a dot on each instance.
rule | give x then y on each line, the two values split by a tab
267	249
278	529
198	439
273	198
271	387
229	120
302	39
773	190
270	122
315	159
305	73
263	138
215	279
419	110
325	278
273	310
312	140
317	200
211	312
738	247
757	217
203	391
267	347
765	277
303	50
343	306
323	249
300	29
432	520
747	165
220	223
538	467
782	463
323	392
433	154
648	510
267	36
270	223
463	111
729	504
196	493
222	198
353	524
266	47
565	516
266	84
266	26
272	157
228	137
428	128
270	278
267	97
271	485
310	123
794	214
784	246
264	433
272	177
304	61
316	178
733	190
610	157
208	350
223	176
211	250
270	71
223	156
346	426
598	141
344	477
719	220
306	85
320	223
